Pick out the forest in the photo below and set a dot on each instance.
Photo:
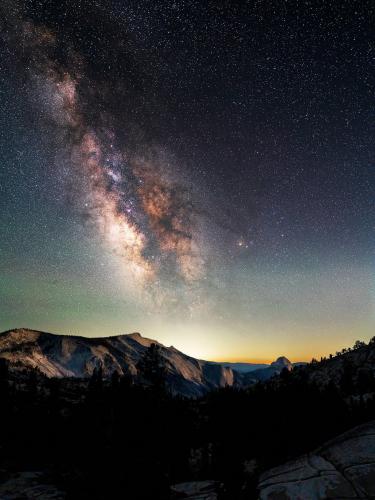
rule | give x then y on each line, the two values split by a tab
111	438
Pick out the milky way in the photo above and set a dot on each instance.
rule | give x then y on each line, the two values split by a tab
142	215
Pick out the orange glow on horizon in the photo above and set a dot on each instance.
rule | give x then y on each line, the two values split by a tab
265	361
255	361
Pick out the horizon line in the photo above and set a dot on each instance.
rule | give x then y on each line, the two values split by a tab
255	361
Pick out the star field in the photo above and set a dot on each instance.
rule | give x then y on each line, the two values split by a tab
200	172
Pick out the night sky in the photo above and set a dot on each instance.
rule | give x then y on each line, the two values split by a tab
201	172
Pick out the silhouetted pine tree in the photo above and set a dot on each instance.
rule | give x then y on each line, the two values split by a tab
152	366
4	378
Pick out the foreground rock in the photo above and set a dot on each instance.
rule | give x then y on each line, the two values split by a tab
28	485
196	490
342	468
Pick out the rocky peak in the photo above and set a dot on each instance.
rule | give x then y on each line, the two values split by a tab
282	362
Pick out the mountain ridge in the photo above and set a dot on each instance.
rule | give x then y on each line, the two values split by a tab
58	355
61	355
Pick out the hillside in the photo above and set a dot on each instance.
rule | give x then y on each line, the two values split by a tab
72	356
352	370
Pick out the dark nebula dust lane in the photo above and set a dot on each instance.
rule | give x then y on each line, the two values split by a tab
133	199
